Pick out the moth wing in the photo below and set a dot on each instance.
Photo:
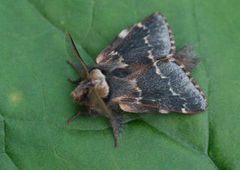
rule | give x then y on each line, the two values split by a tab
145	42
163	87
186	56
116	41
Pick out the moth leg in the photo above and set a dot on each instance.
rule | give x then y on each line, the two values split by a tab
116	123
73	117
88	113
75	66
74	81
186	56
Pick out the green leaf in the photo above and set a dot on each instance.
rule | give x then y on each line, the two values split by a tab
35	100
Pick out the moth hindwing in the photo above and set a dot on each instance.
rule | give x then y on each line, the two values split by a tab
140	71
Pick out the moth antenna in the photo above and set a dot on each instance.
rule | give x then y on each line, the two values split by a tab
74	81
69	37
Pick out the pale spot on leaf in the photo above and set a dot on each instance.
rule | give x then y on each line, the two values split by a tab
14	97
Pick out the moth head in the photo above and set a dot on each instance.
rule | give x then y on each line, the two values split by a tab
80	93
96	80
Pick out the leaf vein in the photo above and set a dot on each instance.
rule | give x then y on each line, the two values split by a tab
5	146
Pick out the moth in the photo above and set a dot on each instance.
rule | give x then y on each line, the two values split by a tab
140	72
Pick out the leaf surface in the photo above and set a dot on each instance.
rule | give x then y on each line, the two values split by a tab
35	100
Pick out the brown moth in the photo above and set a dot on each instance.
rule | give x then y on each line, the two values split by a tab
140	72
